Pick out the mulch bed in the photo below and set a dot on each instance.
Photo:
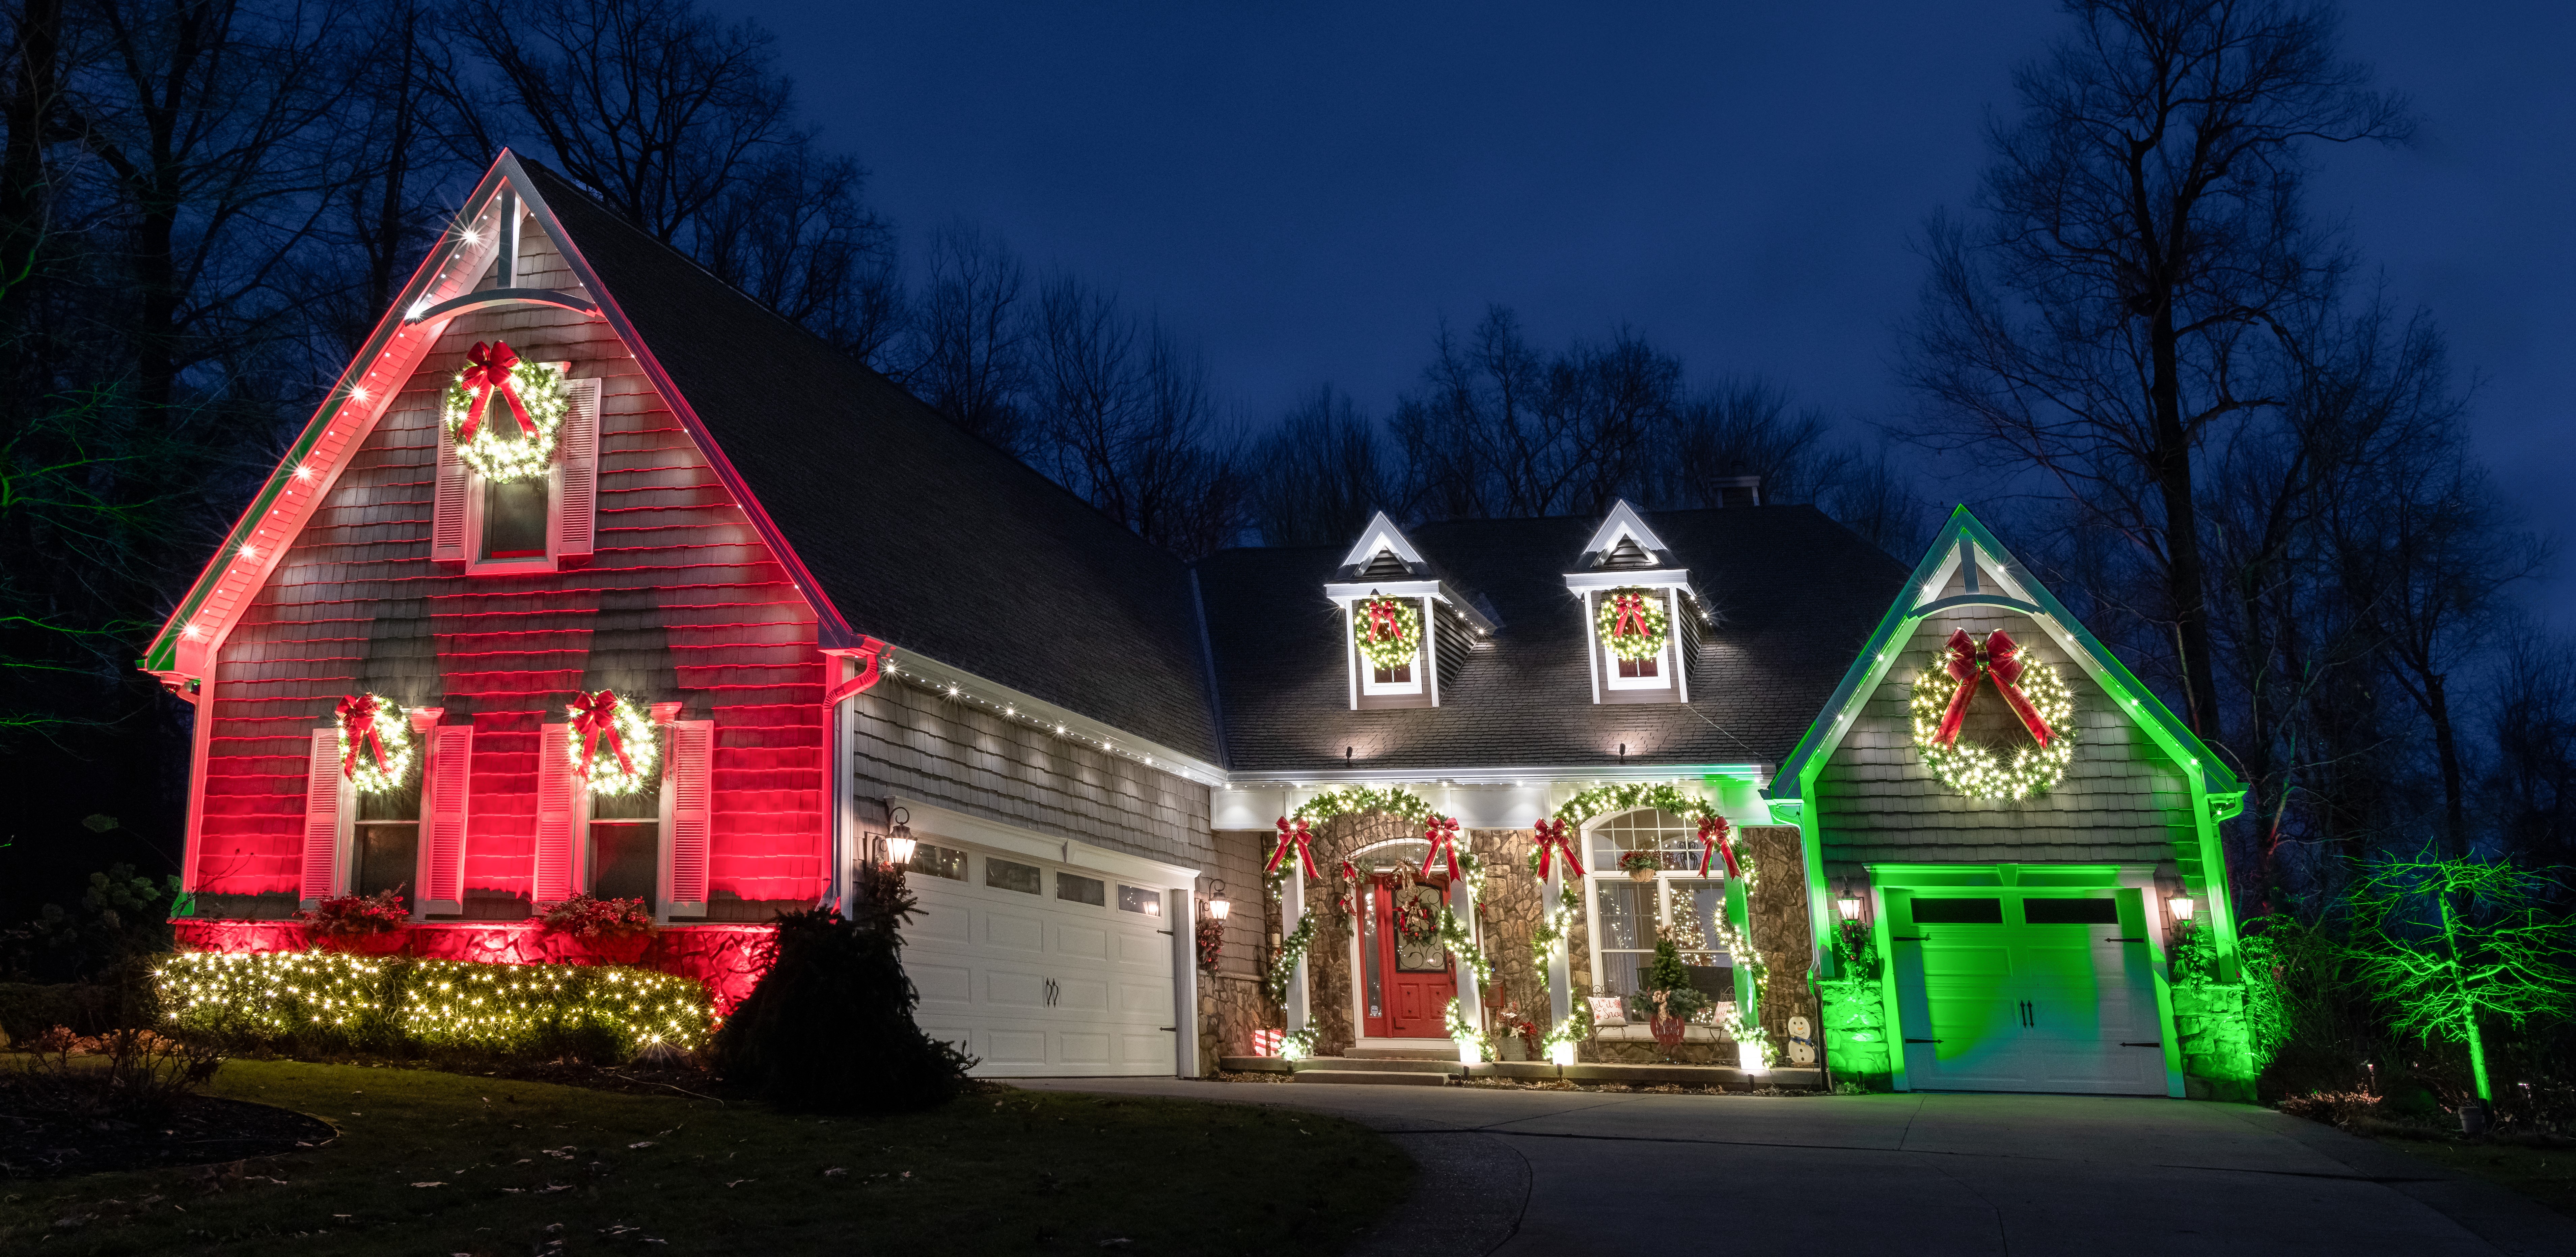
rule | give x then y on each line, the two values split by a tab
203	1129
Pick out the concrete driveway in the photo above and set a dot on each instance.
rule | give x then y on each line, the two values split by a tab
1541	1172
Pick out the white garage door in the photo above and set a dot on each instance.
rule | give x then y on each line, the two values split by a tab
1036	968
2003	991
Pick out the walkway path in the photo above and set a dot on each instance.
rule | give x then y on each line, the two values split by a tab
1541	1172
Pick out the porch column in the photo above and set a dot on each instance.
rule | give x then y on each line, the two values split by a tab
1560	960
1292	908
1462	901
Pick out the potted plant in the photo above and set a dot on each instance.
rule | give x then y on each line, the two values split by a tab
616	931
1641	866
364	925
1669	993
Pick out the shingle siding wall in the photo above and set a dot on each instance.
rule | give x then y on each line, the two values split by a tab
2122	799
921	743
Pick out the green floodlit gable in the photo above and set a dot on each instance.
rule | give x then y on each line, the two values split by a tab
2215	792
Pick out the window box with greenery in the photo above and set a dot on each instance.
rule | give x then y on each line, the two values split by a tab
364	925
612	931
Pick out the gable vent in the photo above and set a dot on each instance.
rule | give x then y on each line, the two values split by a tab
1383	566
1627	554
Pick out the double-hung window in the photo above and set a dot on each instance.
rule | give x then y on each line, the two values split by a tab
1630	914
540	523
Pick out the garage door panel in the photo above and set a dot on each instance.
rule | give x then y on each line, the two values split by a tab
1082	942
1008	989
1149	951
1075	1047
1151	1050
942	920
1955	961
1013	931
1076	996
1014	1047
1141	1000
942	984
2031	1007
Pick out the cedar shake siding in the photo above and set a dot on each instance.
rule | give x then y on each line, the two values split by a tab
2123	799
919	743
680	601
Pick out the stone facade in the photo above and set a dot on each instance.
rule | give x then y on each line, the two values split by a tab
2217	1042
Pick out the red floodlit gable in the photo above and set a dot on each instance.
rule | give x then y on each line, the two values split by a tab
685	598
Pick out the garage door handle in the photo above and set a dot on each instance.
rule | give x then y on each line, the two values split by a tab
1911	938
2124	940
1922	1040
2158	1043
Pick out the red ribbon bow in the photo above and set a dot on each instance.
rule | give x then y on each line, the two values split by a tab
1552	839
487	371
594	717
1718	836
1443	834
1294	831
1628	616
1997	660
357	714
1383	624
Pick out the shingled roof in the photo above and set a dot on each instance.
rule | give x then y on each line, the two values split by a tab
1794	595
919	533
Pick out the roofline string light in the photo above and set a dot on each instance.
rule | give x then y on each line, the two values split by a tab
1009	710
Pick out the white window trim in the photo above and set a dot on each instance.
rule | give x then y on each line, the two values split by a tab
1605	666
552	559
1662	680
1364	682
1370	685
1605	871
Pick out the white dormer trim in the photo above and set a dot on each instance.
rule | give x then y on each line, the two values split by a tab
1623	522
1381	534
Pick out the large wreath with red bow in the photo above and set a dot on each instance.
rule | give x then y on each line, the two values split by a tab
1388	631
377	749
612	744
2037	696
1632	622
502	412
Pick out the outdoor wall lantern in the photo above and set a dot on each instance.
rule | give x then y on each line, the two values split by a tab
1217	905
899	844
2182	906
1849	906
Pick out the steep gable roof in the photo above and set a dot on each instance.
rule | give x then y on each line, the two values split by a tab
1967	566
894	522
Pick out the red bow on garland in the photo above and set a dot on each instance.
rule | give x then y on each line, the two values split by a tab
1294	831
594	717
1999	661
1718	836
357	714
1383	624
1628	616
1443	835
1552	839
487	371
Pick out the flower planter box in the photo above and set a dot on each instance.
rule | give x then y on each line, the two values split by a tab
623	949
381	943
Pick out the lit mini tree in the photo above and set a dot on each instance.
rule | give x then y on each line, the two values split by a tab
2455	941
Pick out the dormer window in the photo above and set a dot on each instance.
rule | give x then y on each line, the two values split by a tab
1640	618
1407	630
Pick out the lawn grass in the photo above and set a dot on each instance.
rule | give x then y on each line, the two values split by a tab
439	1163
2547	1175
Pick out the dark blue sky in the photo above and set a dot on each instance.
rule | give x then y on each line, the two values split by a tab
1306	190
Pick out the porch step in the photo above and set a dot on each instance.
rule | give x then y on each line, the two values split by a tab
1253	1064
1380	1065
1372	1077
1443	1051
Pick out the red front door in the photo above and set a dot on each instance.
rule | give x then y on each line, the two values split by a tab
1407	983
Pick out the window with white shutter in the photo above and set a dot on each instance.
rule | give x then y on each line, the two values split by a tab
561	802
446	781
540	525
688	816
326	812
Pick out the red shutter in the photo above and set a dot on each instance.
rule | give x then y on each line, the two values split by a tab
558	815
689	793
577	489
322	817
447	506
451	753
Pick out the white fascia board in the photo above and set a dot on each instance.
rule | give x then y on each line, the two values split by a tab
1344	593
1590	774
933	821
1643	577
1038	713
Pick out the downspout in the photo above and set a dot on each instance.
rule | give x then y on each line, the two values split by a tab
871	656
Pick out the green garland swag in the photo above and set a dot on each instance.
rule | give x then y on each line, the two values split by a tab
1283	969
1558	925
1646	632
1662	796
1390	640
1461	1032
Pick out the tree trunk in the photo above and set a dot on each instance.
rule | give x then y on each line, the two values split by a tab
2186	592
2446	744
24	180
2468	998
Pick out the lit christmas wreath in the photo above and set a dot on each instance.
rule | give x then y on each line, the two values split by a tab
1632	622
612	744
377	751
532	401
1388	630
2038	697
1415	922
